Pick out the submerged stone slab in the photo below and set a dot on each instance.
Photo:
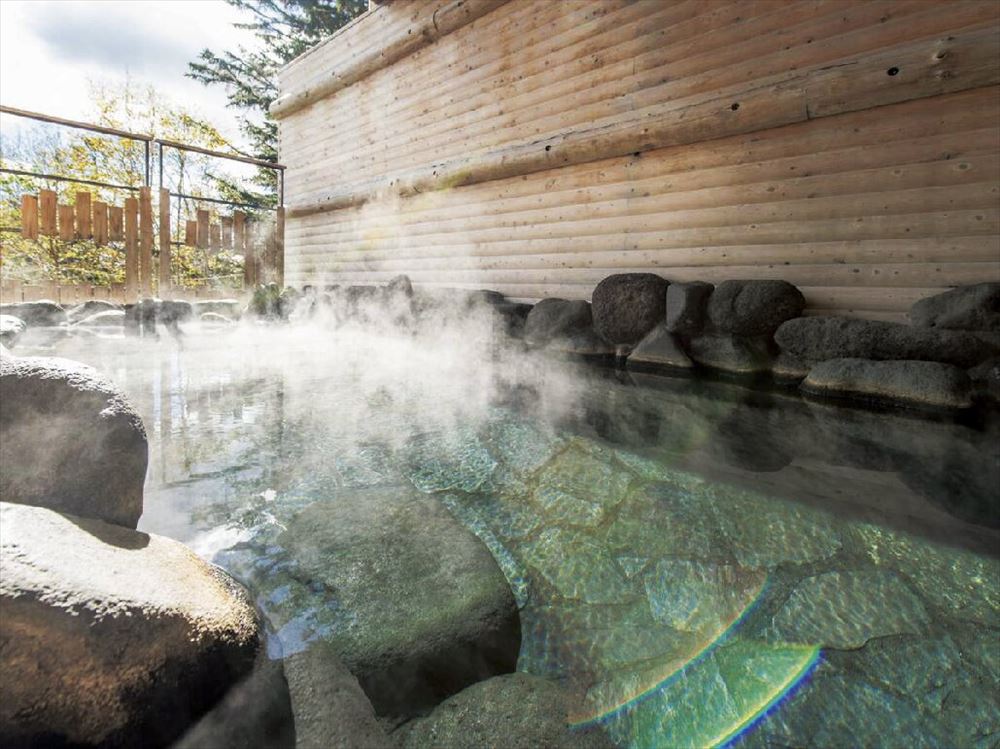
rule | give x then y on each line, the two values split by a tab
517	711
846	609
423	608
660	348
913	383
975	307
69	440
753	308
109	636
816	339
626	306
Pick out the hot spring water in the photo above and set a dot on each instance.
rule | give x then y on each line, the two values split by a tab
701	563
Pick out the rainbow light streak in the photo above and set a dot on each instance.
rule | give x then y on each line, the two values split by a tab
811	659
629	701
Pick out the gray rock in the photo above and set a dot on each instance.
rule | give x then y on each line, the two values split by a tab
69	440
556	318
753	308
686	306
816	339
586	343
914	383
108	317
331	710
10	329
42	312
517	711
740	356
511	317
660	348
974	307
91	307
109	636
401	284
788	368
425	609
986	378
214	318
231	308
175	310
626	306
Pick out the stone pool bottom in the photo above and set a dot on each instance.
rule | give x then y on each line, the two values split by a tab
709	565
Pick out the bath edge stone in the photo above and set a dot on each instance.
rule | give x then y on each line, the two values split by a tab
912	383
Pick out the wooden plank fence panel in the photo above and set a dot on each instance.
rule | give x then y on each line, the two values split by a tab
47	211
100	223
84	225
67	223
131	249
165	248
215	238
191	233
227	232
29	217
203	222
116	223
146	241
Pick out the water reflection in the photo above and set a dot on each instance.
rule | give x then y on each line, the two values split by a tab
693	560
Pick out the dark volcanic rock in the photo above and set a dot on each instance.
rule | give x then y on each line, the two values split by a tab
752	308
69	440
986	378
426	609
626	306
686	306
517	711
964	308
660	348
11	329
91	307
401	284
175	310
816	339
110	637
512	316
42	312
587	343
741	356
111	317
915	383
556	318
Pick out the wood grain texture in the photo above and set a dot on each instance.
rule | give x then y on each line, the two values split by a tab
849	147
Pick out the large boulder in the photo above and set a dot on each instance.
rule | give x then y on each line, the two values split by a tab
816	339
913	383
517	711
112	317
110	637
175	310
986	378
69	440
230	308
425	610
686	306
91	307
660	349
557	318
731	354
11	329
964	308
42	312
753	308
626	306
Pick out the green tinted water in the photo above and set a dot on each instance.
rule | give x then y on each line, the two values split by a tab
700	564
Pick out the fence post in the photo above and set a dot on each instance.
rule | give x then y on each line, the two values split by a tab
146	240
279	246
83	222
131	249
29	217
164	241
47	199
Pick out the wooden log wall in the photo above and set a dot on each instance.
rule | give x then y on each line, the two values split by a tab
848	146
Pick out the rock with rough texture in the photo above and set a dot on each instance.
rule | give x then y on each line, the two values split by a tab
753	308
914	383
626	306
91	307
42	312
10	329
331	710
511	316
587	344
107	318
660	348
686	304
740	356
517	711
175	310
986	378
424	609
816	339
400	284
69	440
556	318
230	308
109	636
974	307
214	318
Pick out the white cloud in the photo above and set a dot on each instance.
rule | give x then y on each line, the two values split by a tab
49	49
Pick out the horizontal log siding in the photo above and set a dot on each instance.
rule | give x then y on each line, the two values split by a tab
867	210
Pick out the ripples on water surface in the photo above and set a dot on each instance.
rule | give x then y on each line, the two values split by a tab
702	563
